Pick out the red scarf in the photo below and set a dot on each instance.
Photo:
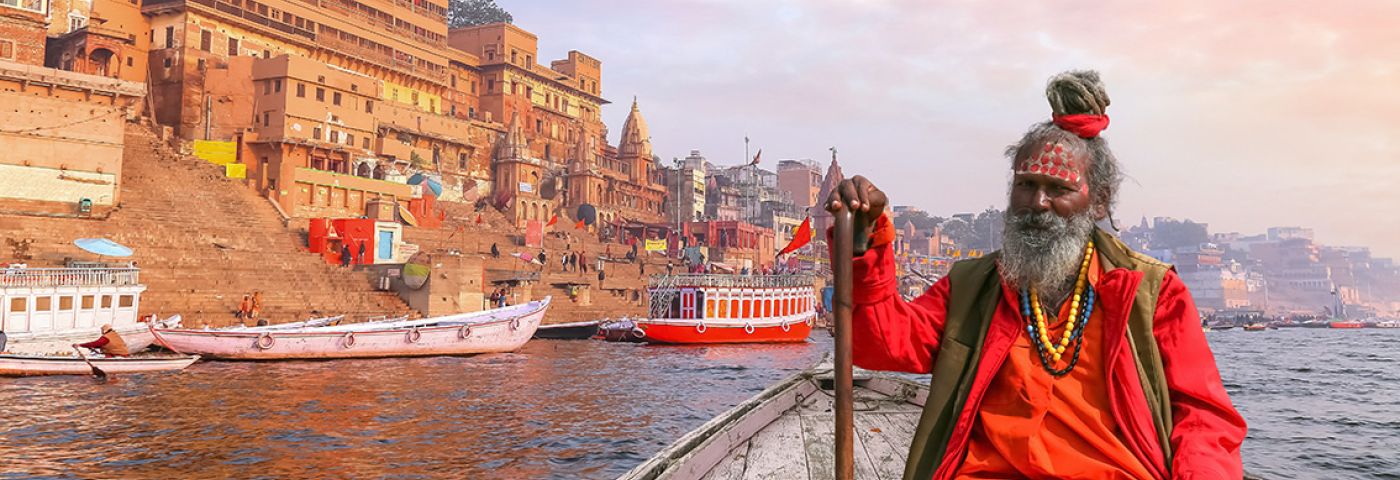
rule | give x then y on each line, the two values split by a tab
1084	125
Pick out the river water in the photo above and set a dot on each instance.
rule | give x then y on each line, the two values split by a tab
1322	404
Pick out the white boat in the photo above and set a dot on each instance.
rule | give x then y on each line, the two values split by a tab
1388	324
491	331
33	365
45	310
788	431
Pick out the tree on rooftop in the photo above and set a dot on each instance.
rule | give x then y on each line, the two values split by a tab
465	13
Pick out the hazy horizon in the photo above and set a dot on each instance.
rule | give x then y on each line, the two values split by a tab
1241	115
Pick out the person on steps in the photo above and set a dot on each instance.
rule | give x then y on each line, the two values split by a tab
495	252
110	344
256	310
344	255
245	307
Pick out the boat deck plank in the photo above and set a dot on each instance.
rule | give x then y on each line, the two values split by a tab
732	467
884	444
775	452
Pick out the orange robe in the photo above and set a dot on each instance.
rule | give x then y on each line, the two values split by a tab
1033	425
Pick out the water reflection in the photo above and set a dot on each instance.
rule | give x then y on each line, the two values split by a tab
1320	403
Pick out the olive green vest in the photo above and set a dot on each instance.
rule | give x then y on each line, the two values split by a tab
975	292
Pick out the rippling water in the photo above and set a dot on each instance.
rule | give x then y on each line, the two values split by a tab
1321	404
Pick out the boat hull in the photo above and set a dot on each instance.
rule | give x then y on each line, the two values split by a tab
1346	324
683	332
28	365
568	331
490	336
137	337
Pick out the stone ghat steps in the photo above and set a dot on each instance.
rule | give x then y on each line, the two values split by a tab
175	210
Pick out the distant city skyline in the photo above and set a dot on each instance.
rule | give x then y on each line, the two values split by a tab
1241	115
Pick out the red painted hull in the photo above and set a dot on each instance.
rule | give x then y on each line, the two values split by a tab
1347	325
669	333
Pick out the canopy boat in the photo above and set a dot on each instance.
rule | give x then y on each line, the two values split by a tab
568	331
712	308
1388	324
787	431
490	331
44	310
31	365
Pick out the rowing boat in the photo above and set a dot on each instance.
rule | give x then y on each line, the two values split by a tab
33	365
787	431
491	331
568	331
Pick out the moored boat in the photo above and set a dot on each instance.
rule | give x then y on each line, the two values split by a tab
787	431
1255	327
44	310
34	365
1346	324
491	331
1388	324
624	330
715	308
568	331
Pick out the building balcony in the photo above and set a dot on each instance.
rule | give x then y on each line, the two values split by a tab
374	56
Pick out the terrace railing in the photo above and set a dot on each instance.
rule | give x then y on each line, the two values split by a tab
69	277
729	281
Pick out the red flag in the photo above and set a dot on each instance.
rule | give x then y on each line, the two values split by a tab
800	238
478	218
552	220
755	158
578	225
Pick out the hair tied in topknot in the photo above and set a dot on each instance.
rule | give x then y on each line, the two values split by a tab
1078	102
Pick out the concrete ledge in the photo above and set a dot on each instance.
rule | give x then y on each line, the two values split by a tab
19	72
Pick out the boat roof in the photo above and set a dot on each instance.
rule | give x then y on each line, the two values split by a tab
787	431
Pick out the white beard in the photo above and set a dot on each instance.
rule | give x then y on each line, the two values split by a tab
1043	251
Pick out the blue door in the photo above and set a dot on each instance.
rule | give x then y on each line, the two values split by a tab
386	246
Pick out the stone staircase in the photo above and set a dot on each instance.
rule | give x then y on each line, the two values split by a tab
202	241
612	301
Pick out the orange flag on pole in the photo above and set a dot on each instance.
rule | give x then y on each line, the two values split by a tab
552	220
579	224
800	238
478	218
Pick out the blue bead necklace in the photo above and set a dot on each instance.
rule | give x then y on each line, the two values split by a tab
1076	336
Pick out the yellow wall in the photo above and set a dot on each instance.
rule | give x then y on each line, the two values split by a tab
426	101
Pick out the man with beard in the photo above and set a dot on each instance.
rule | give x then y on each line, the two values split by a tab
1065	354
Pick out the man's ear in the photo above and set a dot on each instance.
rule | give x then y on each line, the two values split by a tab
1100	212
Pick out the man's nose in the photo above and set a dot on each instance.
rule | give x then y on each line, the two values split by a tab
1040	201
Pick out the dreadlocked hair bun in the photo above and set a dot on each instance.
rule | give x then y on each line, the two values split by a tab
1077	92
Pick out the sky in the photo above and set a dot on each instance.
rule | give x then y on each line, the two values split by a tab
1240	114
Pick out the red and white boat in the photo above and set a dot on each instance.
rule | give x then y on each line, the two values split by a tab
1346	324
729	309
490	331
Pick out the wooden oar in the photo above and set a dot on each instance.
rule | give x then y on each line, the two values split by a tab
96	372
841	271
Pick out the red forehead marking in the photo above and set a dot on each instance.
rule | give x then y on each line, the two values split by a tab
1054	160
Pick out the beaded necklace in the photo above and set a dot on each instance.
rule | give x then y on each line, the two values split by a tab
1049	351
